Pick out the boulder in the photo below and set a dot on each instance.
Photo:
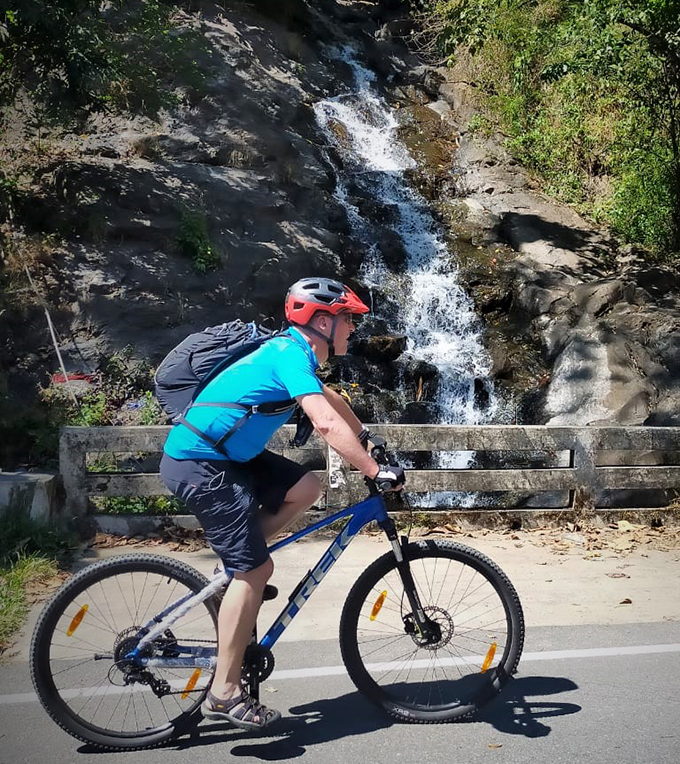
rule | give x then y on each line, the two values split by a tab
381	347
396	28
419	413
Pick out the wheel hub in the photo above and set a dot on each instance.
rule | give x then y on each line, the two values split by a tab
444	626
125	643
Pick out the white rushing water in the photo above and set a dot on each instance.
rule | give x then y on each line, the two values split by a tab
436	315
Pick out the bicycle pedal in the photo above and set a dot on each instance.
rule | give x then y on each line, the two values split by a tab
270	593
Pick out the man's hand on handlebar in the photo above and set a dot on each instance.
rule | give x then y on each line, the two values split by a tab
390	478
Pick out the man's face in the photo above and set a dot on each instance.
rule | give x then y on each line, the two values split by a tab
344	326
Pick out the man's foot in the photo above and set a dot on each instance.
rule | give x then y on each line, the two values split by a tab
241	711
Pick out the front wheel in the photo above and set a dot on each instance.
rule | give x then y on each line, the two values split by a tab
477	619
79	662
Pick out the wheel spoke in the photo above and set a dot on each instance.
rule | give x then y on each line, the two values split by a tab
473	606
114	699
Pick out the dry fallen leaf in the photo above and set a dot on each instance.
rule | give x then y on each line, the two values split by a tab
627	601
495	745
618	575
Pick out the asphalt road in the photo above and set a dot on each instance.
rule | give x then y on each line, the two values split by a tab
582	693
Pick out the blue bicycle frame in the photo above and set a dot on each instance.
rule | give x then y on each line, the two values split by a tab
372	508
366	511
361	514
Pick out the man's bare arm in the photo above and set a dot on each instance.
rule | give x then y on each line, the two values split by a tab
342	407
337	432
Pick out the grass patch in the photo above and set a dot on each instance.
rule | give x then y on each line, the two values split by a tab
30	555
140	505
15	579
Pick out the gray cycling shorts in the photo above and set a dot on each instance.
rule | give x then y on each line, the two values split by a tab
226	497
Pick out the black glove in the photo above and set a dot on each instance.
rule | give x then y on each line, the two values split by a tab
389	477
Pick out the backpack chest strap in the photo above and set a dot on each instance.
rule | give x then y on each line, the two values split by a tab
274	407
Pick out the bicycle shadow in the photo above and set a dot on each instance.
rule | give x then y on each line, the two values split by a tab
514	712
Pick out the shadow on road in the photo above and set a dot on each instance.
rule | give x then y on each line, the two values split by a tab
514	712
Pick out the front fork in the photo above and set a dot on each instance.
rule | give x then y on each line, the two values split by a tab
428	631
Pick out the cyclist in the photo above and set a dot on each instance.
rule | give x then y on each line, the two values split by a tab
248	496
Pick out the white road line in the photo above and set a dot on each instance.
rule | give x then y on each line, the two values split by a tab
549	655
322	671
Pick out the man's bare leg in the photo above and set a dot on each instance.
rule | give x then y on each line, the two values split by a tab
243	597
299	498
237	616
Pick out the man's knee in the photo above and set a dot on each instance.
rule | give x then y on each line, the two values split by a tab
258	577
306	491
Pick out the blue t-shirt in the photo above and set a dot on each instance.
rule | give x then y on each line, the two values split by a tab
282	368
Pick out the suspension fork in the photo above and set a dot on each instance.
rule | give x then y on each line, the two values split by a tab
428	630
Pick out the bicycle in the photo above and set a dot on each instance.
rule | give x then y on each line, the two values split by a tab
430	632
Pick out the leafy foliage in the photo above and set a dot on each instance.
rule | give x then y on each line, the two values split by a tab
194	241
84	55
588	92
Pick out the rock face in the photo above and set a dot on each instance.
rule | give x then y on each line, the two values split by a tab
240	166
579	328
603	322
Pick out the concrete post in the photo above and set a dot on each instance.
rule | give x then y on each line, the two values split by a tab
72	468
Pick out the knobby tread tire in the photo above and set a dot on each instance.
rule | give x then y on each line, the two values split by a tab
39	649
416	550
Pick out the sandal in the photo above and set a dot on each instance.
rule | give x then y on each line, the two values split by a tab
240	711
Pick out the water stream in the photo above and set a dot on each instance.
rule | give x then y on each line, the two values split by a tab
433	311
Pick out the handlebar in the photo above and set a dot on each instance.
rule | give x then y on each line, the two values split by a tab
380	455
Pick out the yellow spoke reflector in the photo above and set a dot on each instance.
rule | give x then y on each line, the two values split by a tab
378	605
191	683
77	618
489	658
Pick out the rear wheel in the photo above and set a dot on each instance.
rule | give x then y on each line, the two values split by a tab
478	623
80	643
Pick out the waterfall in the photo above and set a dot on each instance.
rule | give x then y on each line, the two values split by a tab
435	314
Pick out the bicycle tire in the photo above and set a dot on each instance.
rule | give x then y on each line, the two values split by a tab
64	672
493	617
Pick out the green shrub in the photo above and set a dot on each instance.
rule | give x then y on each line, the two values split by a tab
79	56
588	94
19	535
193	241
137	505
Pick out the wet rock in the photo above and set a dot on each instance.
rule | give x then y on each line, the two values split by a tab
376	211
381	348
419	413
415	369
501	364
392	250
371	325
481	393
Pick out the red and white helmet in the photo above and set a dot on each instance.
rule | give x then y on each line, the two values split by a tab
307	296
